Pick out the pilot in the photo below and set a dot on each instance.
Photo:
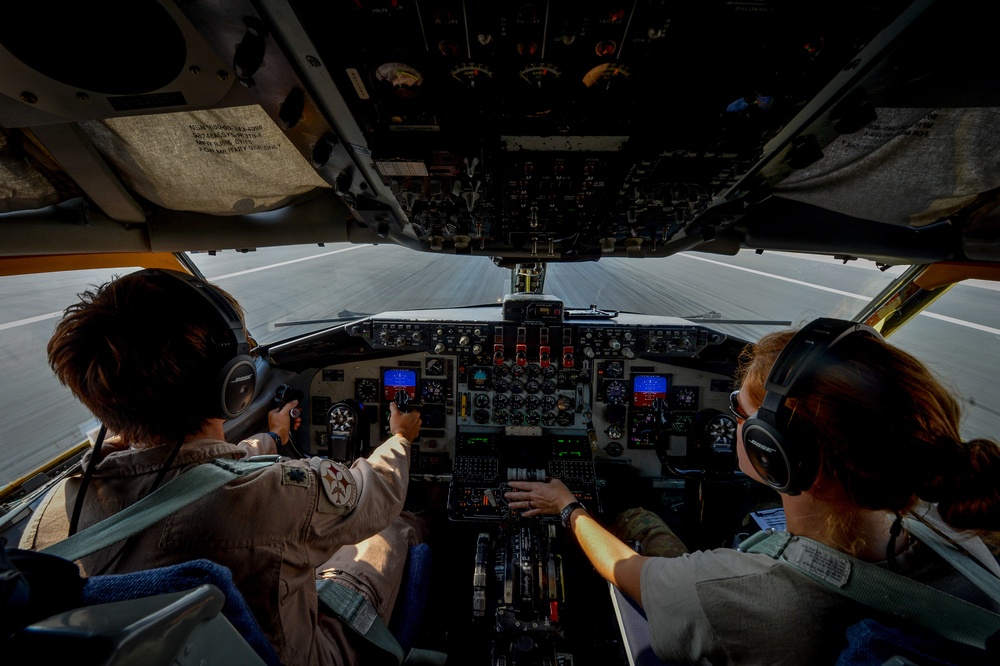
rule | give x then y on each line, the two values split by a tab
877	438
143	353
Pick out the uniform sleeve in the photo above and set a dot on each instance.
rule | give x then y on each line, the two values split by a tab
678	627
260	444
359	501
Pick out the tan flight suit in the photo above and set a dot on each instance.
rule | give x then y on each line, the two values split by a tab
276	530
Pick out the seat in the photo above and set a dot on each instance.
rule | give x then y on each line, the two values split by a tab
192	607
411	602
164	629
634	629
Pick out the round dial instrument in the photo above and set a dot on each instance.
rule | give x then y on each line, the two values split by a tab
366	390
684	397
615	392
540	75
402	79
433	391
341	419
721	432
472	75
614	369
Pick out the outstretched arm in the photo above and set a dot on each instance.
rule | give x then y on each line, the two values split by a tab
615	561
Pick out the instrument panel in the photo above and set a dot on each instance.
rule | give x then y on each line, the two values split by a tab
649	390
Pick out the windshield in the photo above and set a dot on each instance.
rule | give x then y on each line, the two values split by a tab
288	291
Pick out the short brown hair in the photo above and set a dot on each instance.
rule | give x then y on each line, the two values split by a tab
142	352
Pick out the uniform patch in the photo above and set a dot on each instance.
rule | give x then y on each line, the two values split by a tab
339	486
292	475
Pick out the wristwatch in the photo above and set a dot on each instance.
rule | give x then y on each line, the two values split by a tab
568	510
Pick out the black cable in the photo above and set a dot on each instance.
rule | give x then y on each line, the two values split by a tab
890	548
156	484
88	473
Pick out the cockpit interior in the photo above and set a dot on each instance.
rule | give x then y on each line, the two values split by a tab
526	134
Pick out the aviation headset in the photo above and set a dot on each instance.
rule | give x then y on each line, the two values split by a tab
237	375
777	458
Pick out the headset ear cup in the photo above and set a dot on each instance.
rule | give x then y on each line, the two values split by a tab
237	382
766	450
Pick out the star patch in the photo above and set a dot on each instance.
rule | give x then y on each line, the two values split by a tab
295	476
339	485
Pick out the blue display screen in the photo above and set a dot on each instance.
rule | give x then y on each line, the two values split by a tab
395	380
647	388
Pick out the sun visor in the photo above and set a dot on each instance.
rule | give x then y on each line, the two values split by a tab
908	167
232	160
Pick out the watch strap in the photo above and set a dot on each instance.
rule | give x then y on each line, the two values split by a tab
568	510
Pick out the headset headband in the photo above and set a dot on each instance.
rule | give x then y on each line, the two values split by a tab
776	459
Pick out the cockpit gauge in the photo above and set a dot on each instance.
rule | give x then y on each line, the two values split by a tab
534	370
548	387
682	422
684	397
479	379
366	390
606	74
549	419
615	431
614	369
482	400
540	75
565	419
720	430
532	386
501	385
516	370
516	417
532	418
481	416
472	75
341	419
500	416
434	367
616	392
403	79
501	402
548	372
517	386
433	390
548	403
534	402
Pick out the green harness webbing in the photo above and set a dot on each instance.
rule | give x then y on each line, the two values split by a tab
173	496
947	616
354	609
351	607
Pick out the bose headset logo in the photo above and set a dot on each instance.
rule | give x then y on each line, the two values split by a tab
241	379
762	447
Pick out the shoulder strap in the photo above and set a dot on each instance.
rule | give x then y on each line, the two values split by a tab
173	496
960	559
947	616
